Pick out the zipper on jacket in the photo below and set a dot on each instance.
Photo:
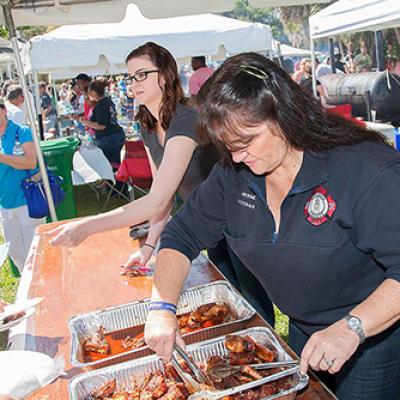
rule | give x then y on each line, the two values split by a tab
256	189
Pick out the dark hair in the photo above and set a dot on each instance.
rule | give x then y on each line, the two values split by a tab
172	91
83	77
7	83
248	89
14	91
200	59
98	87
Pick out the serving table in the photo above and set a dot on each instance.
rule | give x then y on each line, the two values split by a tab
86	278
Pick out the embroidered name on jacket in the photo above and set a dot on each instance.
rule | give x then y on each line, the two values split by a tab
245	203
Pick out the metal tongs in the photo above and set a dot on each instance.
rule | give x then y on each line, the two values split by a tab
200	382
224	370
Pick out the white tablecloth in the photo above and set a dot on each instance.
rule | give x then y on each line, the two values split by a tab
386	129
90	165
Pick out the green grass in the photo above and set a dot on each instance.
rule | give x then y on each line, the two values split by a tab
281	324
88	204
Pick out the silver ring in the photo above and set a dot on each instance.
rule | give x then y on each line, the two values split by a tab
328	362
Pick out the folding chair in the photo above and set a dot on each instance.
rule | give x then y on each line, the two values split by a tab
135	168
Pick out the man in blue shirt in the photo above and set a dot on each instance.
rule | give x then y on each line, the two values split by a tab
17	157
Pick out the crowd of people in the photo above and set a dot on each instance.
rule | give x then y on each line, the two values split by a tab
344	64
282	194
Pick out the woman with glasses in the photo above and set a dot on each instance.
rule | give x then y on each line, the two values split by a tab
309	202
178	163
17	158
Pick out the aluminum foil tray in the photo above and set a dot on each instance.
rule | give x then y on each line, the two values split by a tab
133	372
130	318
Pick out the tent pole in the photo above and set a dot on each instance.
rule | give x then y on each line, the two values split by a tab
13	36
380	58
55	105
314	80
278	48
332	55
38	105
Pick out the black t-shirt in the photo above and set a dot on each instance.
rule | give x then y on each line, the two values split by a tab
184	124
306	84
104	114
45	101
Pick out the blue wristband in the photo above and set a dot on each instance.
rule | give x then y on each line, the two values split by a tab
162	305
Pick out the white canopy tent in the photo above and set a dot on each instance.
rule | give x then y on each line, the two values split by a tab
285	50
355	15
62	12
102	48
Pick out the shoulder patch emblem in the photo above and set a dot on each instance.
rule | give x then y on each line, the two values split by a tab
320	207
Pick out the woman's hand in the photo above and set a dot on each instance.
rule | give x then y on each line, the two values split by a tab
161	332
140	257
329	349
3	304
70	234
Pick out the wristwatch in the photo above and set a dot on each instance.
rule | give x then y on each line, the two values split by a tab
354	324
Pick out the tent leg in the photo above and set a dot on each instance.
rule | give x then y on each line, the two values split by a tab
314	81
332	55
380	58
279	55
38	105
13	36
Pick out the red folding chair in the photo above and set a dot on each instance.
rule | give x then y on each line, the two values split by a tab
345	110
341	109
135	168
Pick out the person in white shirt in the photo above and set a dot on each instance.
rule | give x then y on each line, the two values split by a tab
15	101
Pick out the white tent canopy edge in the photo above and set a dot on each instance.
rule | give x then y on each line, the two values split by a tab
355	15
104	47
62	12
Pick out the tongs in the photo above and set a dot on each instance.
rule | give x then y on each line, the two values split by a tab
200	382
224	370
206	394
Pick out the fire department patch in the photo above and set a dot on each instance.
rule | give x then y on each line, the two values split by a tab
319	207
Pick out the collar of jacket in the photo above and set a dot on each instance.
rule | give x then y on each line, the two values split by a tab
313	172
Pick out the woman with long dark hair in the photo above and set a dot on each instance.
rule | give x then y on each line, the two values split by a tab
307	200
168	129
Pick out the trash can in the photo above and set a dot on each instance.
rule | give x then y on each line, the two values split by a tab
58	154
13	268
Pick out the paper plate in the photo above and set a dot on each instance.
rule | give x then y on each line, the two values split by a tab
11	324
22	372
23	305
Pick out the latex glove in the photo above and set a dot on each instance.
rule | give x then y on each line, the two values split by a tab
329	349
140	257
70	234
161	332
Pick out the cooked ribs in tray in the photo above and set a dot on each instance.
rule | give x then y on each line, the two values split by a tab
205	316
168	386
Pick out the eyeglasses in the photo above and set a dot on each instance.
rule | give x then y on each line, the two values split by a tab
139	76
